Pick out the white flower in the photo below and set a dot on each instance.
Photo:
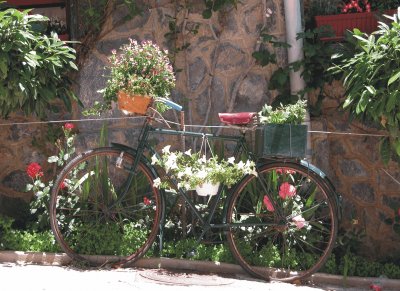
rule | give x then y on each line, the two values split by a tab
157	183
188	171
180	175
154	160
188	152
170	164
231	160
165	150
201	174
240	165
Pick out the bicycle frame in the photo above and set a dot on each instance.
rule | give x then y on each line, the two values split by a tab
241	147
143	146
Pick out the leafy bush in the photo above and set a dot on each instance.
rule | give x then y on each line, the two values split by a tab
34	68
371	79
12	239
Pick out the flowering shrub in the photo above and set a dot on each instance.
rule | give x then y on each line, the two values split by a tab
39	205
192	170
356	6
138	68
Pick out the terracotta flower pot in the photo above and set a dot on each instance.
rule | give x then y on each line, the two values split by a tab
133	103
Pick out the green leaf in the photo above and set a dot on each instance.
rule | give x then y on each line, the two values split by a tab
207	14
394	78
392	100
385	150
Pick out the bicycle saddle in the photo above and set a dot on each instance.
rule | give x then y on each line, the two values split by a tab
238	118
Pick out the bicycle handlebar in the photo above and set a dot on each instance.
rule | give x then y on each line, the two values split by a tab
170	104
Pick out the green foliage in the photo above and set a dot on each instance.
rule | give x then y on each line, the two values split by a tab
34	68
12	239
314	65
94	12
216	5
372	81
288	114
189	248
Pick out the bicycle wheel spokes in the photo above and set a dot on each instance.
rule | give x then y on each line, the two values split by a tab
284	227
99	208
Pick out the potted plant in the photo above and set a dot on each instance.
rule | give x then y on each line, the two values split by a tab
139	72
282	133
350	14
193	171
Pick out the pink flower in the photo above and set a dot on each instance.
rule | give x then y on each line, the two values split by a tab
285	171
287	190
69	126
146	201
34	170
299	221
268	204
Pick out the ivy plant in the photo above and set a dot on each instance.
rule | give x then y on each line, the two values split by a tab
34	68
371	78
314	65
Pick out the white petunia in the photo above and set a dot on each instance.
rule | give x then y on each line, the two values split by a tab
165	150
201	174
154	160
231	160
188	152
157	183
188	171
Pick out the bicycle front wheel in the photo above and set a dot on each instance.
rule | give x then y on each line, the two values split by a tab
283	223
104	211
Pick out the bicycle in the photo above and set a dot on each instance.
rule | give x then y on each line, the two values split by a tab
279	225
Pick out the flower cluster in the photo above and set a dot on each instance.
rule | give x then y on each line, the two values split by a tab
192	169
141	69
286	192
34	171
356	6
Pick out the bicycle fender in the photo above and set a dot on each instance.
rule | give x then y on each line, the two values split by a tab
319	172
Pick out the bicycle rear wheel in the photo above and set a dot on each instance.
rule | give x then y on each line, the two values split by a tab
101	211
285	227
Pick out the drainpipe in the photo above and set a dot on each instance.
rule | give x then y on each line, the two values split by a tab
294	26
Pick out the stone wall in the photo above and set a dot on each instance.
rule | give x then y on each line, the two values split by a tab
217	73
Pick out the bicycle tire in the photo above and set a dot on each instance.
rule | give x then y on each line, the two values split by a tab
289	246
91	218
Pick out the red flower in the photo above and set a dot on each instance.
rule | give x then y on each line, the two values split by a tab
146	201
63	185
69	126
268	204
34	170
